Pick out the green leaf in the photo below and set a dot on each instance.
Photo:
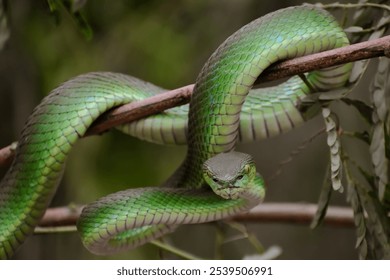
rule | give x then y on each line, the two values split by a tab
83	25
77	5
379	155
54	5
353	29
362	136
379	222
4	30
270	254
245	234
358	69
333	141
364	109
368	176
73	8
323	201
360	222
376	225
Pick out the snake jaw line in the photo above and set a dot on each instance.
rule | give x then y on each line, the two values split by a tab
228	192
230	174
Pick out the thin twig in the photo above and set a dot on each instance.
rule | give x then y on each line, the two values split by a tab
55	229
354	6
295	66
172	249
159	244
296	213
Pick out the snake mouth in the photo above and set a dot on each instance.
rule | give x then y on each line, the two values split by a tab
228	192
227	187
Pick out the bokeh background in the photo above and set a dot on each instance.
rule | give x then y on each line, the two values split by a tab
166	43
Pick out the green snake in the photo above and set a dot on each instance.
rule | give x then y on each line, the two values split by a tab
214	182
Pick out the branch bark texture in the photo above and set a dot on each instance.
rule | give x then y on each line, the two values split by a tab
268	212
288	68
180	96
296	213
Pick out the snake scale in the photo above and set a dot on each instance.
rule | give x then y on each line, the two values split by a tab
214	182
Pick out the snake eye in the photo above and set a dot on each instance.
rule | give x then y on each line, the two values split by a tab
240	177
215	180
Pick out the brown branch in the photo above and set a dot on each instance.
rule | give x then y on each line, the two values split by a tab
296	213
355	52
139	109
295	66
6	155
61	216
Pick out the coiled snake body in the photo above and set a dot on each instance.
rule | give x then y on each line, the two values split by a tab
132	217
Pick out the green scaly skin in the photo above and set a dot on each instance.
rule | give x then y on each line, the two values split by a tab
168	207
266	112
51	130
213	127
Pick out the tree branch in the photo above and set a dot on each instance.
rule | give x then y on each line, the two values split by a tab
288	68
7	154
169	99
296	213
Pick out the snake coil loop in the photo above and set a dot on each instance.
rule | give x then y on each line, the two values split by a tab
130	218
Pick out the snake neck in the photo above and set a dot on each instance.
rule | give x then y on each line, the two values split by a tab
220	92
254	193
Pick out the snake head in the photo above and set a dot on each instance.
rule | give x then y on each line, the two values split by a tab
229	174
